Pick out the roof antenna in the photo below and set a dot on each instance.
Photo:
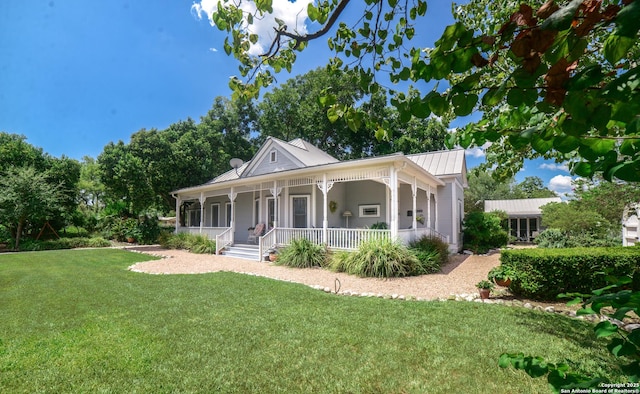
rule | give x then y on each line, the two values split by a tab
236	163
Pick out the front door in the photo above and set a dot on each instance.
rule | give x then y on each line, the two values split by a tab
300	211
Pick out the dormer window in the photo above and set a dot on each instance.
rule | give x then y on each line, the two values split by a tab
273	156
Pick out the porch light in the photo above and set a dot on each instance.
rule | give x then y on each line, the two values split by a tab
347	215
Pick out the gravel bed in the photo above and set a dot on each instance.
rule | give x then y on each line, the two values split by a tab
459	276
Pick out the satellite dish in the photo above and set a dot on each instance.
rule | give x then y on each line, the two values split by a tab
236	163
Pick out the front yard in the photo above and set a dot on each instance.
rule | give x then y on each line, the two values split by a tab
79	321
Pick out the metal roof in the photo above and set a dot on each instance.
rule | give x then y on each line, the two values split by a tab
525	206
449	162
307	153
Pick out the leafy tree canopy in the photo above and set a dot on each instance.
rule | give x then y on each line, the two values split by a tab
295	110
555	79
27	197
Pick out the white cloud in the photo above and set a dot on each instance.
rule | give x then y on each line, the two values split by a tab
561	184
479	151
554	167
213	49
294	16
475	152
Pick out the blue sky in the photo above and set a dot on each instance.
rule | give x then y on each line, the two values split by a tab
74	77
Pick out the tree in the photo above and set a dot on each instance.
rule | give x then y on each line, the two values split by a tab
27	196
606	198
294	110
533	187
142	173
574	221
557	81
15	151
91	189
483	186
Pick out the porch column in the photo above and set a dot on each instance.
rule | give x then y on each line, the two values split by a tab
414	223
178	203
429	207
285	204
232	197
393	184
325	186
275	192
202	200
454	214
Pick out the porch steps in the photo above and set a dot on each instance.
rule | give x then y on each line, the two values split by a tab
242	251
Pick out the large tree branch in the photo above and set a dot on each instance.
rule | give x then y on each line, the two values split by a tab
308	37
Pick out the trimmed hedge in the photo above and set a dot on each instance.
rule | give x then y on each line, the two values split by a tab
545	273
64	243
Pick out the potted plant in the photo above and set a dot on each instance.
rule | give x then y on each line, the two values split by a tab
501	275
484	286
273	255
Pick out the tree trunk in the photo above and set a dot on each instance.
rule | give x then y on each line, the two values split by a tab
19	233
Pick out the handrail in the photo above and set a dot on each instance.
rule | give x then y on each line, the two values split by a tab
223	239
268	239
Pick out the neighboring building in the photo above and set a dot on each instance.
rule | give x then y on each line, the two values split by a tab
297	190
524	215
630	225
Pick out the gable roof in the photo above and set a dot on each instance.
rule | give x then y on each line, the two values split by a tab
440	163
524	206
301	152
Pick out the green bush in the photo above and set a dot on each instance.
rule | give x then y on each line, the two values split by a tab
552	238
557	238
381	258
545	273
192	242
64	243
148	230
432	252
302	253
483	231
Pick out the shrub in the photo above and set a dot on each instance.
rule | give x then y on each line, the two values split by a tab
192	242
64	243
426	245
483	231
551	238
381	258
556	238
545	273
302	253
148	230
379	226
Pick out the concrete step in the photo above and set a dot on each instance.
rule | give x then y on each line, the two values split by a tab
242	251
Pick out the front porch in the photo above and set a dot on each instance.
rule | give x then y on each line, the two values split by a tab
333	238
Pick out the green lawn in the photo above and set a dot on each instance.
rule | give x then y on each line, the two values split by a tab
78	321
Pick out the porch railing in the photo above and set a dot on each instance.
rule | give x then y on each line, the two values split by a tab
266	241
351	238
223	239
210	232
337	238
410	235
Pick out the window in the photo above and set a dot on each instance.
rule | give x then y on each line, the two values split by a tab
370	211
215	215
273	156
194	218
300	212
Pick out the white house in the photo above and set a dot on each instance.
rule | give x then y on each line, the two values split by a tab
631	225
296	190
524	215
